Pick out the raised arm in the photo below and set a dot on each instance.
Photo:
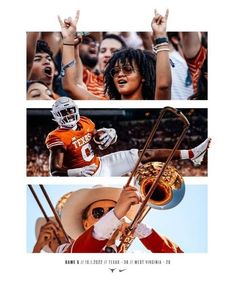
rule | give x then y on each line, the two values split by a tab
161	49
78	66
68	30
53	40
191	43
146	39
32	38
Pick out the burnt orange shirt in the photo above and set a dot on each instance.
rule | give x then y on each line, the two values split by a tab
195	65
94	83
55	96
76	143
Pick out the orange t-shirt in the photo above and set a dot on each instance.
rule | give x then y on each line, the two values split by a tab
55	96
195	65
76	143
94	83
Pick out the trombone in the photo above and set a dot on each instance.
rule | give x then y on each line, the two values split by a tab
167	185
51	207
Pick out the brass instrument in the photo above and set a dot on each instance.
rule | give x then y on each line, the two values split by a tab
160	184
170	188
57	219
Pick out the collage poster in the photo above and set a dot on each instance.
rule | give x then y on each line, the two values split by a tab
117	148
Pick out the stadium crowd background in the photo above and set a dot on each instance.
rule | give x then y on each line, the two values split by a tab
188	66
133	127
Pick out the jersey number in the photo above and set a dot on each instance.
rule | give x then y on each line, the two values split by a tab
87	152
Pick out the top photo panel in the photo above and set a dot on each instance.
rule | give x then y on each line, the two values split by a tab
110	65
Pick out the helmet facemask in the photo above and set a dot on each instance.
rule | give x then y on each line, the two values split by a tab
65	112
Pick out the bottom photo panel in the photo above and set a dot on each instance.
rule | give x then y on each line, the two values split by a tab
118	219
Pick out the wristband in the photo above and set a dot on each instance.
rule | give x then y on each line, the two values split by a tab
142	231
159	41
70	64
67	44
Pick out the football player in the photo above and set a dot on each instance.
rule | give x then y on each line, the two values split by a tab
72	150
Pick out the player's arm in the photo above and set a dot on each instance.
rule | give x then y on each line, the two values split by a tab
57	168
56	162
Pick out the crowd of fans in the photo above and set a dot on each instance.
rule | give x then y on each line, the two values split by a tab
133	128
81	67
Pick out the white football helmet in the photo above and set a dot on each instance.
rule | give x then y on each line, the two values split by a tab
65	112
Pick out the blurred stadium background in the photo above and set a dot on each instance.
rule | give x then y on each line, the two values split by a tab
133	127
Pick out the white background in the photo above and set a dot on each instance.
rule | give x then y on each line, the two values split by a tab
27	272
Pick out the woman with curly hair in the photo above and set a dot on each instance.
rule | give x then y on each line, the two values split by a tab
136	74
129	74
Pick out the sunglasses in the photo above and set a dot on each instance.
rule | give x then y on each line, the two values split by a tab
127	70
100	211
87	40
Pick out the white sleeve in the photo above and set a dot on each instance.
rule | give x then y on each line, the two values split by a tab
106	226
62	248
142	231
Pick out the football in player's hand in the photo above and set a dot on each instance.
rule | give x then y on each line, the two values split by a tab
97	137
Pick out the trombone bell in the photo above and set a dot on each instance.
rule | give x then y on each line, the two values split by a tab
170	189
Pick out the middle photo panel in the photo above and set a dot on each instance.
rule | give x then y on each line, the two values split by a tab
67	141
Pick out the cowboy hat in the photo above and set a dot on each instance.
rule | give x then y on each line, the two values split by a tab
71	214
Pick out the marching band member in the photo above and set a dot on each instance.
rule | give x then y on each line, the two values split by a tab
91	217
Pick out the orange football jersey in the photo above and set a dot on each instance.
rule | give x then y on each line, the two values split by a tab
78	150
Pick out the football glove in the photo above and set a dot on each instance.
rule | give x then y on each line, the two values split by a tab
83	171
107	138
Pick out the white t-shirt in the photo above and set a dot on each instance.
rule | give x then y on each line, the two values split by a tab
181	87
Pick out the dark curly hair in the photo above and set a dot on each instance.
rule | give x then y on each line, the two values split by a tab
42	47
146	63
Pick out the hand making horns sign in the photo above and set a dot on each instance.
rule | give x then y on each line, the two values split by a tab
69	25
159	24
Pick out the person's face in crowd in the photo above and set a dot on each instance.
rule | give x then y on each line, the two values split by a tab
107	48
43	68
88	51
97	210
127	80
38	90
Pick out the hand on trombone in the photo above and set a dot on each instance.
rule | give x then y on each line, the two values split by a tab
128	197
51	235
